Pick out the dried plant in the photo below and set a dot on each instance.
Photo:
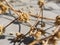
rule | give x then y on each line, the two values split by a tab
1	30
19	36
3	8
34	31
45	42
57	20
57	34
41	3
37	33
52	41
24	17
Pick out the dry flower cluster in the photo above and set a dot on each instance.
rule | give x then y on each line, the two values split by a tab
35	32
3	8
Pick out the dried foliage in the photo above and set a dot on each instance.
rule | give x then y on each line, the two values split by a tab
41	3
34	31
3	8
24	17
18	36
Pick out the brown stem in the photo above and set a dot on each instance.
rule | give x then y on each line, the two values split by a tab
12	8
41	17
10	23
56	30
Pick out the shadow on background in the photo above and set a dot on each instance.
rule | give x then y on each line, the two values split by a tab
2	37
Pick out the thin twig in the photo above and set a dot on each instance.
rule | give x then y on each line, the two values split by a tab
10	23
56	30
41	17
